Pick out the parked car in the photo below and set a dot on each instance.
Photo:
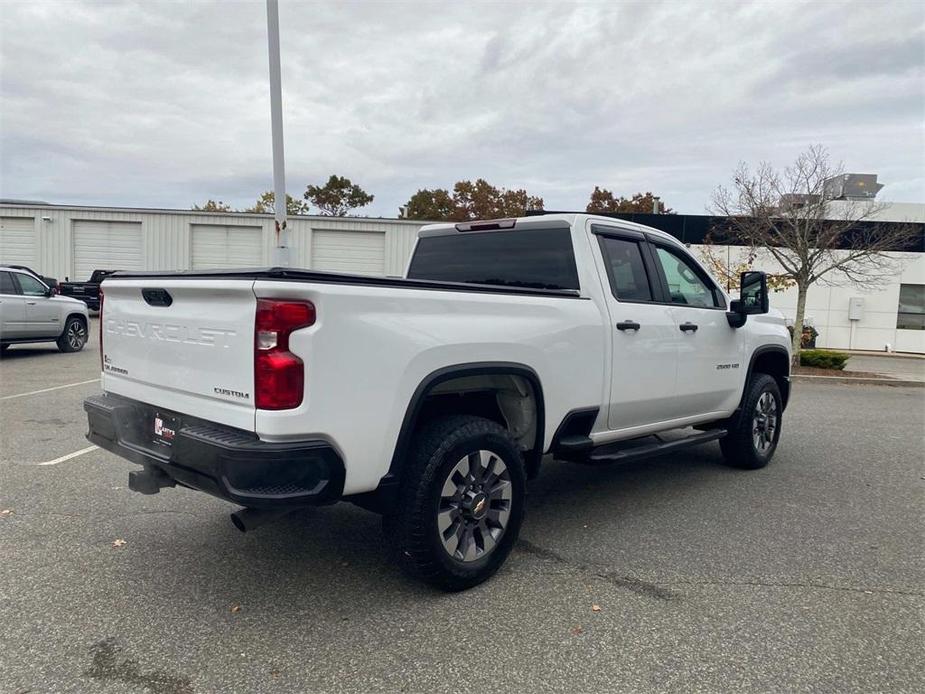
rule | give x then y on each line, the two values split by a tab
89	291
31	311
433	398
50	281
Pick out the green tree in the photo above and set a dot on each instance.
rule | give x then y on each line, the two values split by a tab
470	200
337	197
430	205
481	200
212	206
602	200
265	205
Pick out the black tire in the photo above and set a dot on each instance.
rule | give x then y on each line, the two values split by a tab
433	463
74	336
741	446
4	348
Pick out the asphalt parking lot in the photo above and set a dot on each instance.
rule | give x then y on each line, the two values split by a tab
806	576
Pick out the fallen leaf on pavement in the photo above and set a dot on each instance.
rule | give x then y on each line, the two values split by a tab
118	542
595	608
235	608
6	512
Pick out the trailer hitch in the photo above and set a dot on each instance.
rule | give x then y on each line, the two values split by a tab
150	480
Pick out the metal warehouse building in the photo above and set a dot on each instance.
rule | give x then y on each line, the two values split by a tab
71	241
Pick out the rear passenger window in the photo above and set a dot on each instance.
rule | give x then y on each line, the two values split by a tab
6	284
626	269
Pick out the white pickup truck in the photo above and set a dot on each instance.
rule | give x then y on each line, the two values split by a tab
433	398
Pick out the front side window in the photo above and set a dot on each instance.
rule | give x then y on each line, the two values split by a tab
911	314
685	283
30	286
629	280
6	283
533	258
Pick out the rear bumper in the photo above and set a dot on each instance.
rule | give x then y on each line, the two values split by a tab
228	463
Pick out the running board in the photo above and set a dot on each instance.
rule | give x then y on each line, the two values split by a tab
637	449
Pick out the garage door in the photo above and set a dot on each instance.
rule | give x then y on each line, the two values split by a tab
361	252
106	246
17	241
218	246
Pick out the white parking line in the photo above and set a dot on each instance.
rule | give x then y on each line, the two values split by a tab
48	390
69	456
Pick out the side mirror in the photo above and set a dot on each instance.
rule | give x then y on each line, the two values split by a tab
50	292
753	298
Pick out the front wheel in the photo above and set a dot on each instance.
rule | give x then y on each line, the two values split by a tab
461	503
755	431
74	336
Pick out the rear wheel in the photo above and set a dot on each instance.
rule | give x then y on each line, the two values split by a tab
74	336
754	433
461	503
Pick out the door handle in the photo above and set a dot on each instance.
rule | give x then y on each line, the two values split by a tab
30	303
689	327
628	325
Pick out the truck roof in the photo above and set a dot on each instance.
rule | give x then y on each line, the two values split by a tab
537	221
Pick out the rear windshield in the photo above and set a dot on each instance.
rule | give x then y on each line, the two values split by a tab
535	258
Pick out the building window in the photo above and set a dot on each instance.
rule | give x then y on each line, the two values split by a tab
911	314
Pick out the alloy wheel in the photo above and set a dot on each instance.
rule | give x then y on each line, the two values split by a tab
475	506
76	335
764	422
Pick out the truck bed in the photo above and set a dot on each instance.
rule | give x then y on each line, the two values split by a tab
321	277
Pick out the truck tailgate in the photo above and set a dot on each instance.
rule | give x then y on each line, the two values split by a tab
185	345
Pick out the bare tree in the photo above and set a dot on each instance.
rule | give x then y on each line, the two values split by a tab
727	263
812	237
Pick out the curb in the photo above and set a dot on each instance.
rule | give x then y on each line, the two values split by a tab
853	380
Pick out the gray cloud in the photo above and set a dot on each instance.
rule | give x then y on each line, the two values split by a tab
165	104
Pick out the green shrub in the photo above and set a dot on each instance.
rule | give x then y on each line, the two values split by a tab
823	359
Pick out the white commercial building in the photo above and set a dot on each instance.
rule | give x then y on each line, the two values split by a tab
71	241
887	316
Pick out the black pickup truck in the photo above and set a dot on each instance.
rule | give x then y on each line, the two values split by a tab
89	291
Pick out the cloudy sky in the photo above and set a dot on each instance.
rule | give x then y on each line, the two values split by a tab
164	104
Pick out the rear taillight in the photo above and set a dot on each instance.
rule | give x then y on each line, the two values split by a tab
101	329
279	375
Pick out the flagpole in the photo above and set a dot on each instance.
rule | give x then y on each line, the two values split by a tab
281	252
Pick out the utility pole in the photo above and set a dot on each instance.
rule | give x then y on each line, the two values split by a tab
281	253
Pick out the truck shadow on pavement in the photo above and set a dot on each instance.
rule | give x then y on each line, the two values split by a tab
340	550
